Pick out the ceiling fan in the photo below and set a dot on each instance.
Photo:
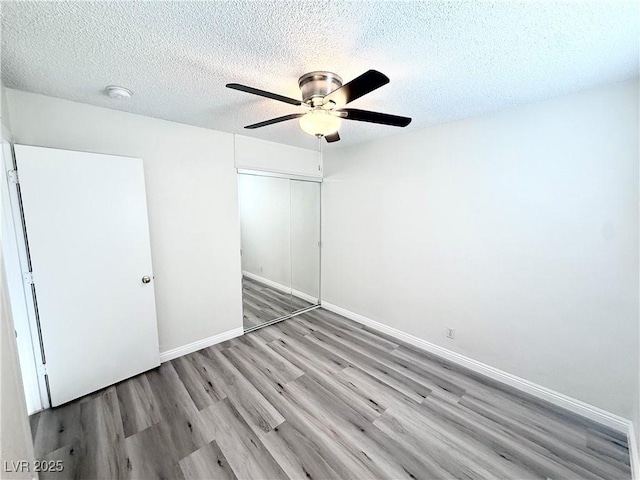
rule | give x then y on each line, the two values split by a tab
324	97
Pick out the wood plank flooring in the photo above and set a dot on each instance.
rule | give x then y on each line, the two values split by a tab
319	397
261	303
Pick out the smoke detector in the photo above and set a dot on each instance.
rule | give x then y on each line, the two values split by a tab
118	92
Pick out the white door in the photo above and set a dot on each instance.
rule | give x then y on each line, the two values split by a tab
88	236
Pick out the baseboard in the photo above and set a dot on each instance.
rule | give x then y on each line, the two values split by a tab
633	453
304	296
280	287
576	406
267	282
200	344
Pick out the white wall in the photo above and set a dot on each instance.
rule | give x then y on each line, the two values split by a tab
15	432
191	196
257	154
264	219
4	108
519	229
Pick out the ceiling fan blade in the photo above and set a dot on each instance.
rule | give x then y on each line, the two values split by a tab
334	137
275	120
375	117
356	88
263	93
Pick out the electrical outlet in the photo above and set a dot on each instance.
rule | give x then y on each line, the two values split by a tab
261	269
451	332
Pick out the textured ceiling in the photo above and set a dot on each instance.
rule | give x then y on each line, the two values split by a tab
446	60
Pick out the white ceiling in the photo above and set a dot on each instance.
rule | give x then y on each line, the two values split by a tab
446	60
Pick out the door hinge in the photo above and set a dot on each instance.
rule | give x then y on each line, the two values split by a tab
28	278
42	369
13	177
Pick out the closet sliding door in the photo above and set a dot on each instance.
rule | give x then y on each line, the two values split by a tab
280	232
305	240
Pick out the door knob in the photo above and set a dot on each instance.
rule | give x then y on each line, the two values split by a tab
146	279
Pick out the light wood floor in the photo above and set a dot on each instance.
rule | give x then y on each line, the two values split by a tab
262	304
315	397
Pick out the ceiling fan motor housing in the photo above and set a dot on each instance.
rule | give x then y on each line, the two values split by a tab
315	85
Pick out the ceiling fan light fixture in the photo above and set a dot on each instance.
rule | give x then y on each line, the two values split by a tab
324	96
319	123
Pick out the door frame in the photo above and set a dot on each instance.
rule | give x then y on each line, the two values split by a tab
22	299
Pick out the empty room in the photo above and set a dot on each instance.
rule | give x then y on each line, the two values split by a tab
320	240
